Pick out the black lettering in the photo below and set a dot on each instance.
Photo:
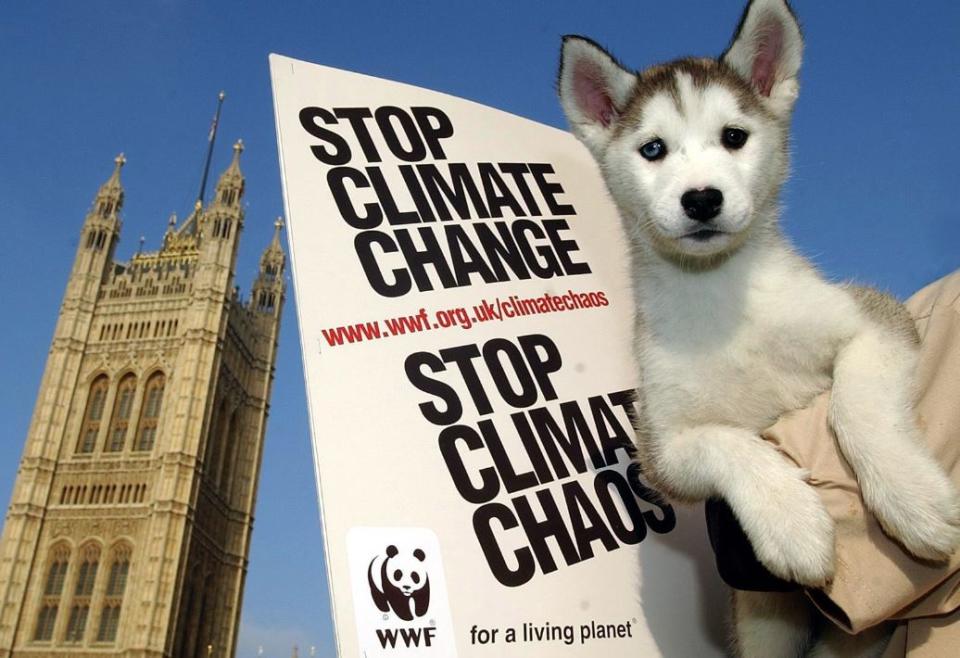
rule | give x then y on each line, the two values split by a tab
460	192
527	395
626	400
363	244
571	440
610	432
542	366
483	527
586	522
516	171
501	248
448	441
387	117
357	117
435	125
497	193
416	193
661	525
564	247
418	259
538	532
463	357
546	268
550	190
340	155
385	196
512	480
335	180
610	479
413	365
529	441
465	258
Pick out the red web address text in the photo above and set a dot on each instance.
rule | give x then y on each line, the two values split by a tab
497	309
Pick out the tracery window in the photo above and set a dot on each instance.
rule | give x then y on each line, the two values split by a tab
93	415
78	622
150	412
113	596
82	593
117	434
52	591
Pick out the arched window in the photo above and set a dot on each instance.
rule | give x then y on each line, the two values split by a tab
83	592
52	591
150	412
113	596
92	415
117	435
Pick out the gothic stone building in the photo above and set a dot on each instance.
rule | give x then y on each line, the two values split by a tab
130	521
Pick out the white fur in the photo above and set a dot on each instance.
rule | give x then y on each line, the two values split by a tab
606	73
736	330
696	160
762	18
872	416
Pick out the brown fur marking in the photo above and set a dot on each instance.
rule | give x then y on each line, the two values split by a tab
886	312
704	72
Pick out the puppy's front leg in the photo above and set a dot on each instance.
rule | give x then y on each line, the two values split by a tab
790	530
871	411
772	624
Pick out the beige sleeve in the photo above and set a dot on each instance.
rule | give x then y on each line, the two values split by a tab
875	578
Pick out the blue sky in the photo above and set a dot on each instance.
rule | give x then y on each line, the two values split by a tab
872	197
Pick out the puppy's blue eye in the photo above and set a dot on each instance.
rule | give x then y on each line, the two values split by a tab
734	138
653	150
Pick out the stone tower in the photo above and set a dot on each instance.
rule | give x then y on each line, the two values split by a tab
131	516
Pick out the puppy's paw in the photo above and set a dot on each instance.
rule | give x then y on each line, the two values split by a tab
918	506
791	532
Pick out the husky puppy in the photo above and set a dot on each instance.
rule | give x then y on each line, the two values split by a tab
734	328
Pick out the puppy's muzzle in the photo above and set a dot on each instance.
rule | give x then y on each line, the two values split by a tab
702	205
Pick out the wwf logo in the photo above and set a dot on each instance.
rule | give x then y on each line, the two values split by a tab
400	583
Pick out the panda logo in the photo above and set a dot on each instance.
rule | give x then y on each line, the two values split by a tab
399	582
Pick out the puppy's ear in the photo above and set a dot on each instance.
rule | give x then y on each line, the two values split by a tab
594	89
767	50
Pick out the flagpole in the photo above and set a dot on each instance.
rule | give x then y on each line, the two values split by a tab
211	139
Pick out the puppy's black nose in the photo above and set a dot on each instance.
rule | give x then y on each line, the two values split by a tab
702	205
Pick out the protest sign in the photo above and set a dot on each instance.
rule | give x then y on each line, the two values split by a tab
465	317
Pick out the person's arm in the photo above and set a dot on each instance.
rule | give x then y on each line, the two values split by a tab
875	578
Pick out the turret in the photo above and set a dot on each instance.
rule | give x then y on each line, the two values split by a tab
268	289
109	199
224	215
101	228
225	204
231	184
214	230
99	235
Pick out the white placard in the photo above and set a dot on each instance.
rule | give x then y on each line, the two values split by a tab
465	316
